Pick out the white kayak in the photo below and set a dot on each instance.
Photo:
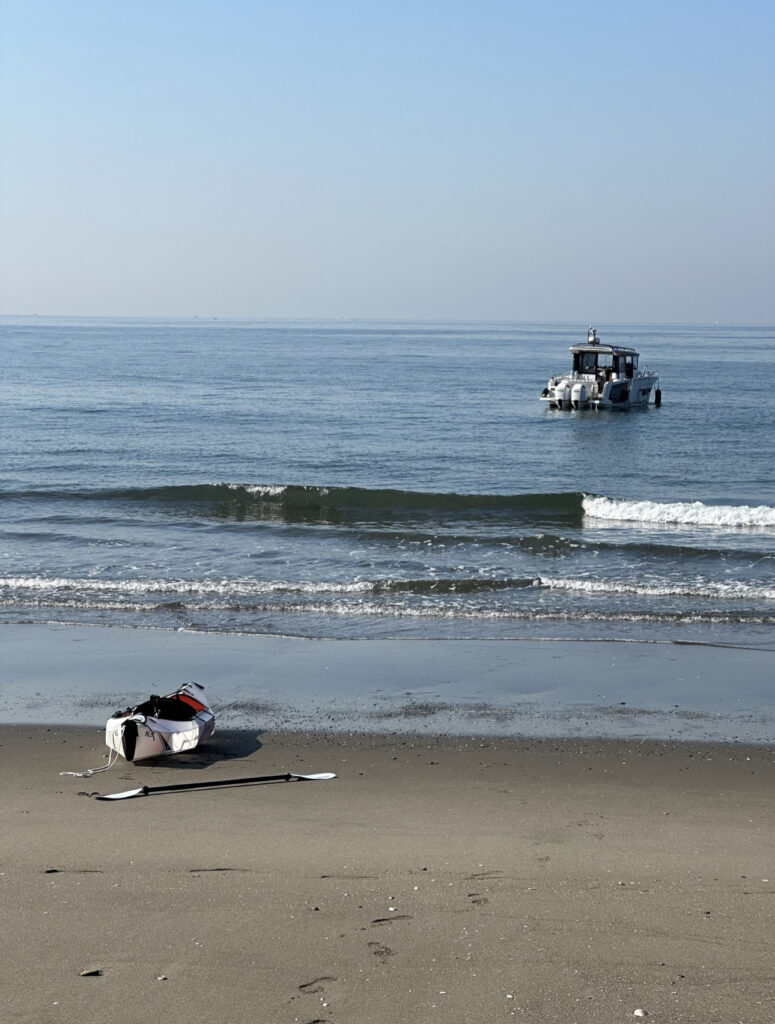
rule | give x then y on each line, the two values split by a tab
162	725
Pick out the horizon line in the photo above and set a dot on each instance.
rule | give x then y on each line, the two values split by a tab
213	318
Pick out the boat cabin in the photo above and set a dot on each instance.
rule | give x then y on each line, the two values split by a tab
610	359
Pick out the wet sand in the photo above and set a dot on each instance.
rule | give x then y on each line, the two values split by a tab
432	880
79	674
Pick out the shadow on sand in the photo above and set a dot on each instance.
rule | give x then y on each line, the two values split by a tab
226	745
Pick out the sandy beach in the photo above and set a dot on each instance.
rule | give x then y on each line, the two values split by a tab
432	880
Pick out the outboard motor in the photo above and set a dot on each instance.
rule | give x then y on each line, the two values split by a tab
563	394
579	396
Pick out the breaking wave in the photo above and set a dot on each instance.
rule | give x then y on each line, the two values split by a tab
694	513
298	503
63	586
430	586
728	591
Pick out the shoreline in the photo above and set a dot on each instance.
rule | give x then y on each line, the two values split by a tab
433	879
516	688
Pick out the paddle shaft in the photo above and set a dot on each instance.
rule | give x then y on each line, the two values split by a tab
212	783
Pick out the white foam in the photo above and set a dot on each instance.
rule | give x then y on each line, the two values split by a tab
734	590
730	590
694	513
222	587
264	490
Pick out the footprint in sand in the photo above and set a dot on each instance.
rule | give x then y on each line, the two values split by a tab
378	949
477	899
316	985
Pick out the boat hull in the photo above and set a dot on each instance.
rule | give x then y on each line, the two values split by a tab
579	393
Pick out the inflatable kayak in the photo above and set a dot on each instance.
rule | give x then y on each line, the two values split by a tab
162	725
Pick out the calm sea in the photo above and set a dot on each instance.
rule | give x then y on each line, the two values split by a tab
363	479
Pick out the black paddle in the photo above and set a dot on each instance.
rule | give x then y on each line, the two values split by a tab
214	783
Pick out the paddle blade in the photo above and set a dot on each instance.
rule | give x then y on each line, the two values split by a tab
315	778
126	795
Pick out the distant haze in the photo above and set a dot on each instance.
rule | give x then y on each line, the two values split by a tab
461	159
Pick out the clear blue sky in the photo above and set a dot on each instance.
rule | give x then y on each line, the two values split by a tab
594	160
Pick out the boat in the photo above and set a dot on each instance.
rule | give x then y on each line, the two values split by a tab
162	725
602	377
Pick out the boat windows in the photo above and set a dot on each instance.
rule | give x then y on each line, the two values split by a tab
585	362
623	366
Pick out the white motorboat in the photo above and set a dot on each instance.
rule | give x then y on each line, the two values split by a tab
602	377
162	725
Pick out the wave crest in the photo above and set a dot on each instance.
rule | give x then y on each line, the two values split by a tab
694	513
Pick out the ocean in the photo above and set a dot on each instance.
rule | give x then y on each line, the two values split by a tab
356	480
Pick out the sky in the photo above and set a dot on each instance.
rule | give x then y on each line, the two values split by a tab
528	160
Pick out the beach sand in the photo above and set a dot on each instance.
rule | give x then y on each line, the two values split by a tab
433	880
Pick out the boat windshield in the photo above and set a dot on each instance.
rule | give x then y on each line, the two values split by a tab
585	362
